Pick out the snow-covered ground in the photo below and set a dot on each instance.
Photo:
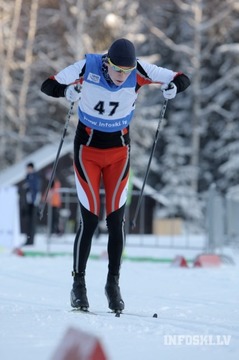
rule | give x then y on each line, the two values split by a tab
198	308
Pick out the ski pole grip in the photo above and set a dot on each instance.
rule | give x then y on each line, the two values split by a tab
170	86
78	88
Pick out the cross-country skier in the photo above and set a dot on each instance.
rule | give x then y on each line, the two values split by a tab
109	86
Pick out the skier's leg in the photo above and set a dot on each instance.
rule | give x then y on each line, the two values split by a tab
115	224
115	177
82	246
87	176
83	240
116	240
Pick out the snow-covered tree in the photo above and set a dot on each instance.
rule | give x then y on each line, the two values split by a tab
190	35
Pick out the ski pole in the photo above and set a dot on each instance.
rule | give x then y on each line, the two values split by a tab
161	116
43	204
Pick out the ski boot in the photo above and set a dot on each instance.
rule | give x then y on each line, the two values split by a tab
112	292
78	293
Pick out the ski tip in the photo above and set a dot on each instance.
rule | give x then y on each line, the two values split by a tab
155	315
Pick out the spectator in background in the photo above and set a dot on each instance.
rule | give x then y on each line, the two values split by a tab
32	199
54	200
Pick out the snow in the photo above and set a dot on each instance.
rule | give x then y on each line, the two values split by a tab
35	312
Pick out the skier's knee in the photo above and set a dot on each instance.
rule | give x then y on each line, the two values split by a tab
89	219
115	219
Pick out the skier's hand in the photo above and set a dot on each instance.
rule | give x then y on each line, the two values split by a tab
72	93
169	90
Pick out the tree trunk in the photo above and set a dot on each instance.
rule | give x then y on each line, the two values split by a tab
196	85
26	77
7	63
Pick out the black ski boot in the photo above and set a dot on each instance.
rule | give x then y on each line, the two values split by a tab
78	293
112	292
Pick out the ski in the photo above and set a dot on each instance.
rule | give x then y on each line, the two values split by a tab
117	313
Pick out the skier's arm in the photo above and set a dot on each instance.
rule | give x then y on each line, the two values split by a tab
181	81
55	86
157	75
